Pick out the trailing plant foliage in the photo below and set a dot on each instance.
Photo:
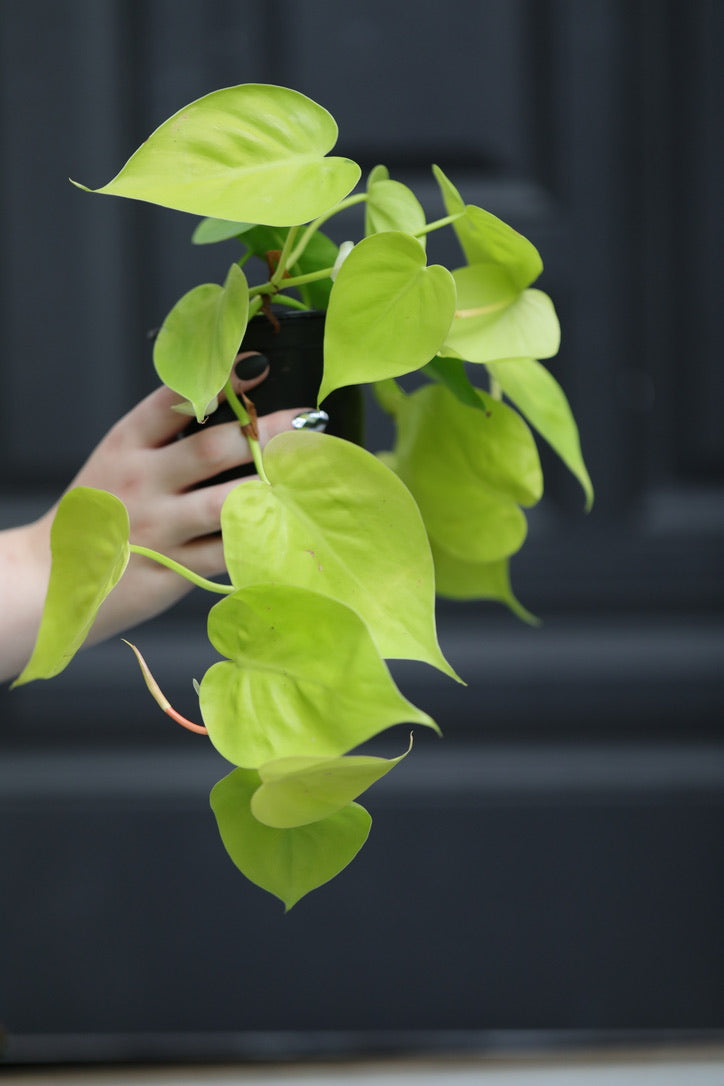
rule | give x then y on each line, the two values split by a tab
333	554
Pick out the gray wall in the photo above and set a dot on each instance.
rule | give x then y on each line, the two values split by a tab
562	873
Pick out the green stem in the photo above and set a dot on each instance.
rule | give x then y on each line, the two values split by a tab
284	261
389	395
243	416
195	578
293	281
438	224
293	303
314	226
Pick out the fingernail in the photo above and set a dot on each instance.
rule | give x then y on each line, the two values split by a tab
248	368
311	420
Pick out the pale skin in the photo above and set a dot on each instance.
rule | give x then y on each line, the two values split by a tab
141	461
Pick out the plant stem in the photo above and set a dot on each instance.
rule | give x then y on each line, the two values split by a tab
246	422
314	226
293	281
195	578
284	261
438	224
389	394
293	303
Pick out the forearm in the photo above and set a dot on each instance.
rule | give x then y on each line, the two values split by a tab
24	570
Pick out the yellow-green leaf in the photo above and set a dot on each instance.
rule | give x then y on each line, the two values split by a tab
252	153
286	862
537	394
302	678
89	549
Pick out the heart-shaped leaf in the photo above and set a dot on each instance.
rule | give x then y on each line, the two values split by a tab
288	862
89	548
486	239
537	394
302	678
493	320
388	313
393	206
196	346
460	580
252	153
297	791
468	472
337	521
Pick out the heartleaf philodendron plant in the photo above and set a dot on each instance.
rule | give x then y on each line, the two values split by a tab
333	554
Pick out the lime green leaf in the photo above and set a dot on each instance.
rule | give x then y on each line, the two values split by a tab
89	548
460	580
337	521
388	313
493	321
393	206
209	231
195	349
290	862
252	153
468	472
377	173
537	394
297	791
302	677
486	239
451	373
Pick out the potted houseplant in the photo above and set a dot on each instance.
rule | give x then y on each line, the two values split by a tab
333	554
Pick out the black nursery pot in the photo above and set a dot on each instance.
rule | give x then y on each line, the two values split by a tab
294	348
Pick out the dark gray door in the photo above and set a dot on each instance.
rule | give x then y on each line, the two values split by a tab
553	864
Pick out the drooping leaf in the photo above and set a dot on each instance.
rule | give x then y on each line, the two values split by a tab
388	312
393	206
297	791
460	580
451	373
252	153
209	231
493	320
469	472
337	521
302	677
537	394
486	239
196	346
286	862
89	549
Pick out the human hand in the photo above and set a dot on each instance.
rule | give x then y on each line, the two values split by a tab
159	478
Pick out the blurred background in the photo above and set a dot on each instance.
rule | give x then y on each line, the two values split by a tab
549	872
